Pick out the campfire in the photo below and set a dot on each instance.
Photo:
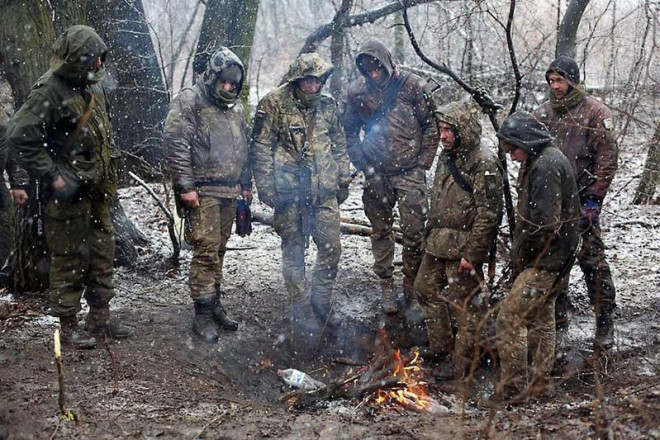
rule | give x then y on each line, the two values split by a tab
390	381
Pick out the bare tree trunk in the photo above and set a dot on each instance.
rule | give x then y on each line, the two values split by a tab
139	101
227	23
651	174
567	31
337	46
26	34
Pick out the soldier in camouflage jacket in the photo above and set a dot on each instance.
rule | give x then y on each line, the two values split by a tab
300	165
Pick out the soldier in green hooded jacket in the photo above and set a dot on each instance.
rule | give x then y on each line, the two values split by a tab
466	208
301	168
62	135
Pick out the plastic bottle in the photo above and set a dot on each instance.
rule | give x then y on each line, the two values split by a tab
299	379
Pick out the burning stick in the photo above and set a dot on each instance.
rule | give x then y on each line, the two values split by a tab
65	414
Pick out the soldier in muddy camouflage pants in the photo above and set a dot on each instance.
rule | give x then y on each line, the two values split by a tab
298	154
206	144
545	242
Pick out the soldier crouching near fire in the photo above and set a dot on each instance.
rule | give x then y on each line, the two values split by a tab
206	145
466	208
298	155
544	247
62	136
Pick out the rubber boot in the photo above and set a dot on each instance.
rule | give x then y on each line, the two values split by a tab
101	326
74	336
203	324
604	339
388	301
220	316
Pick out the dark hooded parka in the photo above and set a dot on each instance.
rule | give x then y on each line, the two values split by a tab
392	137
62	136
545	241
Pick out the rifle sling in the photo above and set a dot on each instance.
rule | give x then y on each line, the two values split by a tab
387	103
458	177
81	123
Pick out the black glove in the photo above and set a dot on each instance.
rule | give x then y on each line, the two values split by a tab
342	195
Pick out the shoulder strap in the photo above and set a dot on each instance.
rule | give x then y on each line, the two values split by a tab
81	122
388	102
458	177
300	156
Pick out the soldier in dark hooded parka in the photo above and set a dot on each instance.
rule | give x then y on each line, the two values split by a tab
206	144
392	137
62	135
544	246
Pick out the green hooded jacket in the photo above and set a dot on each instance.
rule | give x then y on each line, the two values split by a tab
40	134
463	224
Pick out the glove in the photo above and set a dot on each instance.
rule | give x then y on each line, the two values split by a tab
590	214
342	194
243	218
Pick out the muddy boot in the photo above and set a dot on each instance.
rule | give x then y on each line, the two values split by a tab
74	336
604	333
220	316
203	324
324	312
388	301
101	326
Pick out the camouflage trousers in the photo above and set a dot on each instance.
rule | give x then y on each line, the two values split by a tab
597	275
6	223
208	228
381	194
465	302
526	323
325	233
81	241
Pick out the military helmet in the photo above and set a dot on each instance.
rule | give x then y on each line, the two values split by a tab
309	65
223	64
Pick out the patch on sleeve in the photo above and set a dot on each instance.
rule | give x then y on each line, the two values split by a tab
259	120
608	124
492	192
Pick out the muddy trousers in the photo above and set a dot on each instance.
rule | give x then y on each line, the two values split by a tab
81	240
465	303
526	324
325	234
597	275
207	230
381	194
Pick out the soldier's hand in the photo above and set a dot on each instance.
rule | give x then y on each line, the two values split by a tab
466	268
59	184
20	196
247	195
190	199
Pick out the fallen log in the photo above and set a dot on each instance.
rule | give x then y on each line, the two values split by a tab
345	228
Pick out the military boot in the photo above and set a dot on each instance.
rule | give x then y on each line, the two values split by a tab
100	325
74	336
604	339
324	312
388	301
203	324
220	316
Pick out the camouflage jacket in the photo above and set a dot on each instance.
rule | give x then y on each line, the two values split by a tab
584	133
407	136
463	224
39	134
281	126
206	145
